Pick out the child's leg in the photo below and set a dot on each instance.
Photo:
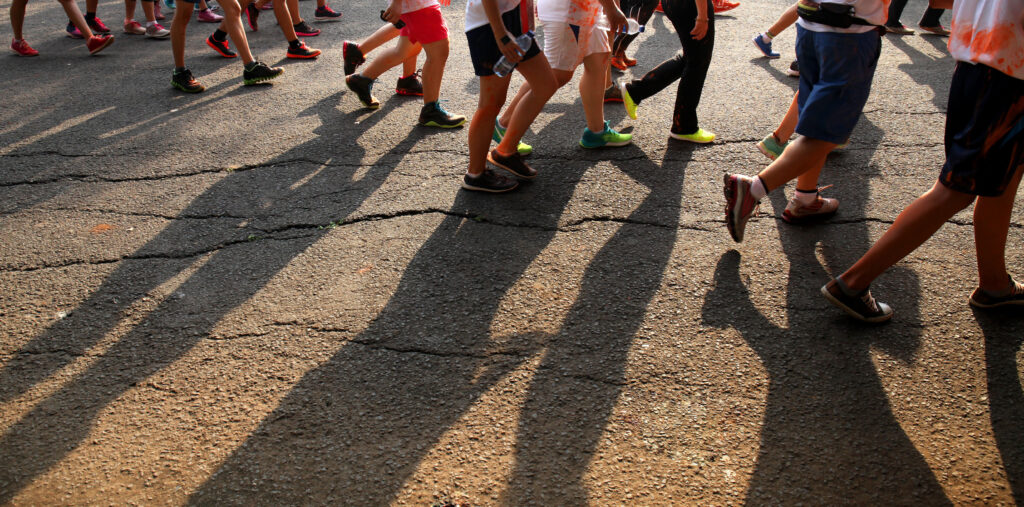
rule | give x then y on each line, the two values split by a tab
284	19
786	20
912	227
409	65
592	85
788	125
561	78
182	15
232	24
379	38
76	17
538	73
293	11
149	10
129	10
803	159
433	67
202	5
493	91
18	18
991	224
390	58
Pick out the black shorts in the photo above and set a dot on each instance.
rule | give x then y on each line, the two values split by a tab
483	49
984	130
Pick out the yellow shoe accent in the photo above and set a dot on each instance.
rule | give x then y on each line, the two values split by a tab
700	136
627	100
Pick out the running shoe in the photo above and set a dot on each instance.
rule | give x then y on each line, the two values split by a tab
208	16
156	12
97	43
618	63
434	115
822	207
983	299
73	32
363	87
252	16
259	72
170	4
739	205
900	29
937	30
627	101
352	55
499	134
221	47
21	48
134	28
96	25
724	5
630	62
184	81
410	85
489	181
157	31
513	163
326	13
304	30
794	69
861	306
612	94
765	47
302	52
701	136
608	137
770	147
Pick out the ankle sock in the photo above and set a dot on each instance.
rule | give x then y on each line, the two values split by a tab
294	44
757	189
805	197
767	36
150	23
220	35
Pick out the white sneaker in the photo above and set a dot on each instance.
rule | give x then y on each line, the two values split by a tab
155	31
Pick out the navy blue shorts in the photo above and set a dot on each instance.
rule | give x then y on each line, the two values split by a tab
483	49
836	70
984	130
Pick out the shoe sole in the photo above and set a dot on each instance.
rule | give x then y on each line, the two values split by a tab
187	90
766	151
806	219
689	140
329	18
849	311
306	34
368	105
467	186
770	56
219	52
616	144
510	171
101	47
158	37
791	73
438	125
608	101
303	57
19	53
973	302
259	80
408	93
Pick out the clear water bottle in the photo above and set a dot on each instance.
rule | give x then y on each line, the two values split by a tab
504	66
632	27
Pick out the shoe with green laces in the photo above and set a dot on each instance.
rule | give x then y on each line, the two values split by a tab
771	147
627	100
607	137
700	136
499	134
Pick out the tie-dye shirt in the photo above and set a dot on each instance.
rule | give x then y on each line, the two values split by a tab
574	12
990	32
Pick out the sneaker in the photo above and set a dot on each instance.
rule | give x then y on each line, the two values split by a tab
156	31
982	299
363	86
739	205
794	69
513	163
134	28
259	73
899	29
326	13
658	8
724	5
410	85
21	48
937	30
208	16
619	64
302	52
770	147
96	25
73	32
861	306
607	137
352	55
170	4
499	134
185	82
252	16
822	207
765	47
433	115
221	46
612	94
156	11
630	62
701	136
627	101
489	181
97	43
304	30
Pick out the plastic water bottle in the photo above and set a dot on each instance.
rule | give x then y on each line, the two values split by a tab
504	66
632	27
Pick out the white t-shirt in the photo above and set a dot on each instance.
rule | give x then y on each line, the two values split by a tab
872	11
415	5
574	12
476	17
990	32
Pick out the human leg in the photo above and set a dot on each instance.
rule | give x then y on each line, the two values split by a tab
592	89
76	18
542	86
433	66
17	13
991	226
182	15
493	92
232	24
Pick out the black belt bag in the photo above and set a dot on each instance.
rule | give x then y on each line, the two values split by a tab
831	14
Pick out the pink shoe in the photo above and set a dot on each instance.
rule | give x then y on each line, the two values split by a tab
156	10
22	48
134	28
208	16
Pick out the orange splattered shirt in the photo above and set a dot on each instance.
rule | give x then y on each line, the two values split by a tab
990	32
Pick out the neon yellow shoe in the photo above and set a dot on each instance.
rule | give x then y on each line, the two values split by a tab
627	100
499	133
700	136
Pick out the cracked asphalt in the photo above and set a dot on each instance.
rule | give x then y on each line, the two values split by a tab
268	296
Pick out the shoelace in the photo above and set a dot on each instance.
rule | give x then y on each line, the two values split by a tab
870	302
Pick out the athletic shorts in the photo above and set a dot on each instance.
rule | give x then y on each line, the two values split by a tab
424	26
836	70
984	130
483	49
566	45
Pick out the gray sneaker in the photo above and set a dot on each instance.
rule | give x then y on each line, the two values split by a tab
982	299
861	306
489	181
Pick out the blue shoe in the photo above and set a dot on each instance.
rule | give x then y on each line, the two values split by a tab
765	47
499	134
170	4
607	137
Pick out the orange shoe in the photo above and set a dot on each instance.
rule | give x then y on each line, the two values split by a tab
630	62
724	5
618	63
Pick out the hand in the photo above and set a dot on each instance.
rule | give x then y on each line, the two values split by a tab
511	50
700	28
394	12
616	21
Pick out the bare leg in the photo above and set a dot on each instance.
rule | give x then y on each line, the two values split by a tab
493	91
378	38
390	58
409	65
293	10
182	15
802	159
76	17
788	125
788	17
991	225
538	73
18	18
232	24
433	67
129	10
149	10
284	19
592	89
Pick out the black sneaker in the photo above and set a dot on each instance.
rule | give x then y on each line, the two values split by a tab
185	82
1015	297
302	29
489	181
259	73
433	115
410	85
302	51
252	15
362	86
794	69
352	55
221	47
512	163
861	306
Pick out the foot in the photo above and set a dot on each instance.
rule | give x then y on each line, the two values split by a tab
363	86
410	85
134	28
208	16
859	305
96	25
771	147
937	30
765	47
630	62
302	52
221	47
499	134
252	16
618	63
156	31
739	204
822	207
304	30
326	13
900	29
723	6
1014	297
794	69
513	163
433	115
97	43
612	94
73	32
184	81
608	137
159	16
21	48
259	72
489	181
352	56
701	136
627	101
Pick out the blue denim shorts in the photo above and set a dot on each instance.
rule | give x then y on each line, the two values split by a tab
836	70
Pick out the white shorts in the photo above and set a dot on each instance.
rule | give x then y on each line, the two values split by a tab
565	48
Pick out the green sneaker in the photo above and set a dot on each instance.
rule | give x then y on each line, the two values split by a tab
700	136
627	100
607	137
499	134
770	147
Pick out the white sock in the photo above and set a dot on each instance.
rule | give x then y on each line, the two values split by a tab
757	190
805	198
150	23
767	37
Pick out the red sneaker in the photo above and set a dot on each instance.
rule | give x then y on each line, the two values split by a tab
97	43
659	9
97	26
724	5
618	63
22	48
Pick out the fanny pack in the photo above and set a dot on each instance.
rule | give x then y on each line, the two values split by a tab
831	14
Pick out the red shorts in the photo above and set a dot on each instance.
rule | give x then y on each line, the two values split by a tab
425	25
